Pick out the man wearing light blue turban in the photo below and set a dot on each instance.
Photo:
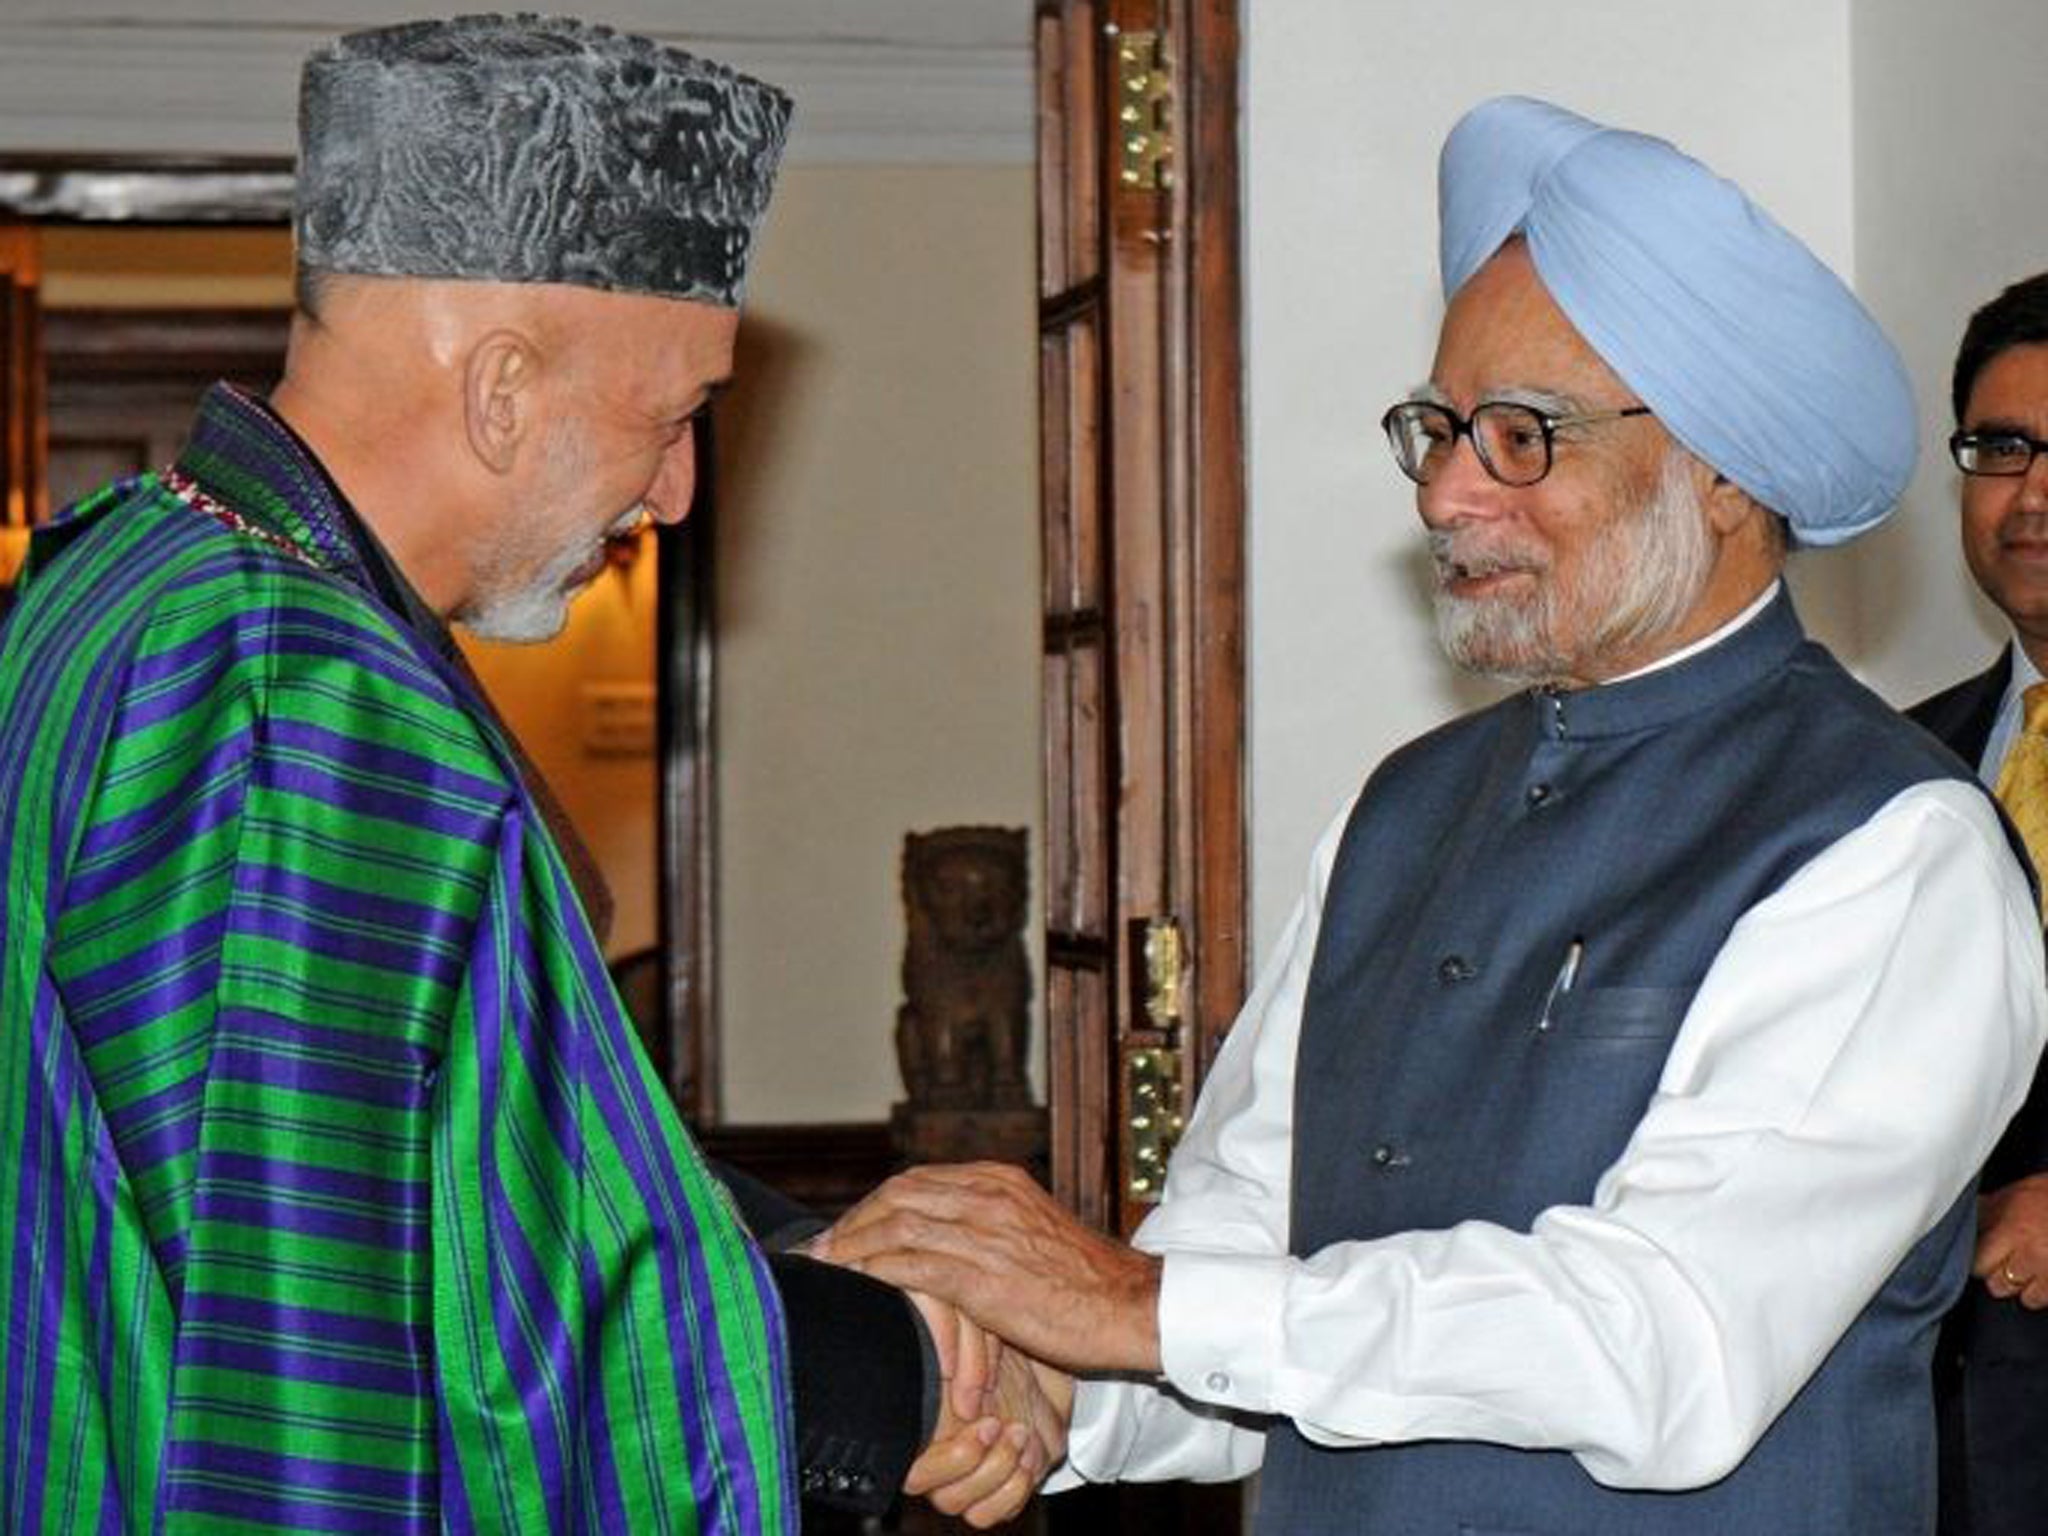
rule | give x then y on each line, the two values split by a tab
1594	1156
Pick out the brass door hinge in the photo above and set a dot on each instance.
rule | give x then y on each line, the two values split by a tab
1152	1081
1152	1109
1165	966
1144	112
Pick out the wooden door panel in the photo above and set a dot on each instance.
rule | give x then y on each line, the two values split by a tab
1070	402
1143	529
1069	52
1078	995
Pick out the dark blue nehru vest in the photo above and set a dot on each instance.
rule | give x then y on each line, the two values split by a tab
1642	819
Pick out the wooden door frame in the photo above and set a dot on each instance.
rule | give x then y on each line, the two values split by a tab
1143	510
1213	397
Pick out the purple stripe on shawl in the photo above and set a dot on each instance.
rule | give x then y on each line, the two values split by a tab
174	679
122	847
390	1052
164	686
171	1253
295	1492
39	1267
457	1519
143	985
314	1476
159	1127
310	1332
314	1325
244	1059
98	1270
372	759
424	924
327	921
408	807
623	1104
321	943
603	1471
390	1232
305	1364
78	779
408	1197
496	1016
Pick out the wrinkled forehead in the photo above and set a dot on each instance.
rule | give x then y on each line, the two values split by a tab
1503	334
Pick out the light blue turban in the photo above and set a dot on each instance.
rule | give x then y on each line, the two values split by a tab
1753	355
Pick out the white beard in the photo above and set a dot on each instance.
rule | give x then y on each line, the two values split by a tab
537	611
537	607
1640	578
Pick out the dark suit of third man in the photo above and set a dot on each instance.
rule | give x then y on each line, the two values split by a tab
1992	1365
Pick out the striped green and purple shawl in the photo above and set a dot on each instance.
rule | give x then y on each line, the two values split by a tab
338	1192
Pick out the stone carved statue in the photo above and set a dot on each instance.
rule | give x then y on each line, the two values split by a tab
964	1028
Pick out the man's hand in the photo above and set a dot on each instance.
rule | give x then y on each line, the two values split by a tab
988	1239
1002	1423
2012	1241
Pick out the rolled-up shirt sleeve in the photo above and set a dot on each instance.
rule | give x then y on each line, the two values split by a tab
1846	1065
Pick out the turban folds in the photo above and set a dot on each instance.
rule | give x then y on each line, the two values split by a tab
1752	353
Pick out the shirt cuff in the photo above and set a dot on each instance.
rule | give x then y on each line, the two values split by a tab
1098	1438
1221	1328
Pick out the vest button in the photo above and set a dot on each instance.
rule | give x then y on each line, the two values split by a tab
1537	794
1455	968
1217	1381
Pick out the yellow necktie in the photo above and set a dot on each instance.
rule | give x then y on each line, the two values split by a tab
2023	781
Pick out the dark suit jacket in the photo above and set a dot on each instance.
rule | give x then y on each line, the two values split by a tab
1991	1367
865	1378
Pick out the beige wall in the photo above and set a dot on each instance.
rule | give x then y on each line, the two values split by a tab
878	632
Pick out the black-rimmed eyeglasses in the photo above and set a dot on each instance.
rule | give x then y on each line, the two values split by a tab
1513	440
1994	453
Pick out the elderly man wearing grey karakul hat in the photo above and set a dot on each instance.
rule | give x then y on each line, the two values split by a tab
1594	1156
341	1195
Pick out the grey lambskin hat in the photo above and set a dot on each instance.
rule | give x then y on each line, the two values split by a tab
534	149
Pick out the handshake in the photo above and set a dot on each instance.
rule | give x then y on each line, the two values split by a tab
1017	1296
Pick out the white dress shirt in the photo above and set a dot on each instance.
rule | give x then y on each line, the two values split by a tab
1849	1059
2012	710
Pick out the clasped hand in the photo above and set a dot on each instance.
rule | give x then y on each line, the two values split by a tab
1002	1422
1025	1290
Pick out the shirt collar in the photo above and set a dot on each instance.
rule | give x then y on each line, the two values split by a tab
2012	708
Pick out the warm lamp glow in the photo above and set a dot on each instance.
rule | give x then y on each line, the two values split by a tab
13	550
622	550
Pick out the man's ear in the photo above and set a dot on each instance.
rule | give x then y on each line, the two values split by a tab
1728	505
499	397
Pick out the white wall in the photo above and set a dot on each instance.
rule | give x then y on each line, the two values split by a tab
1951	135
1347	102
